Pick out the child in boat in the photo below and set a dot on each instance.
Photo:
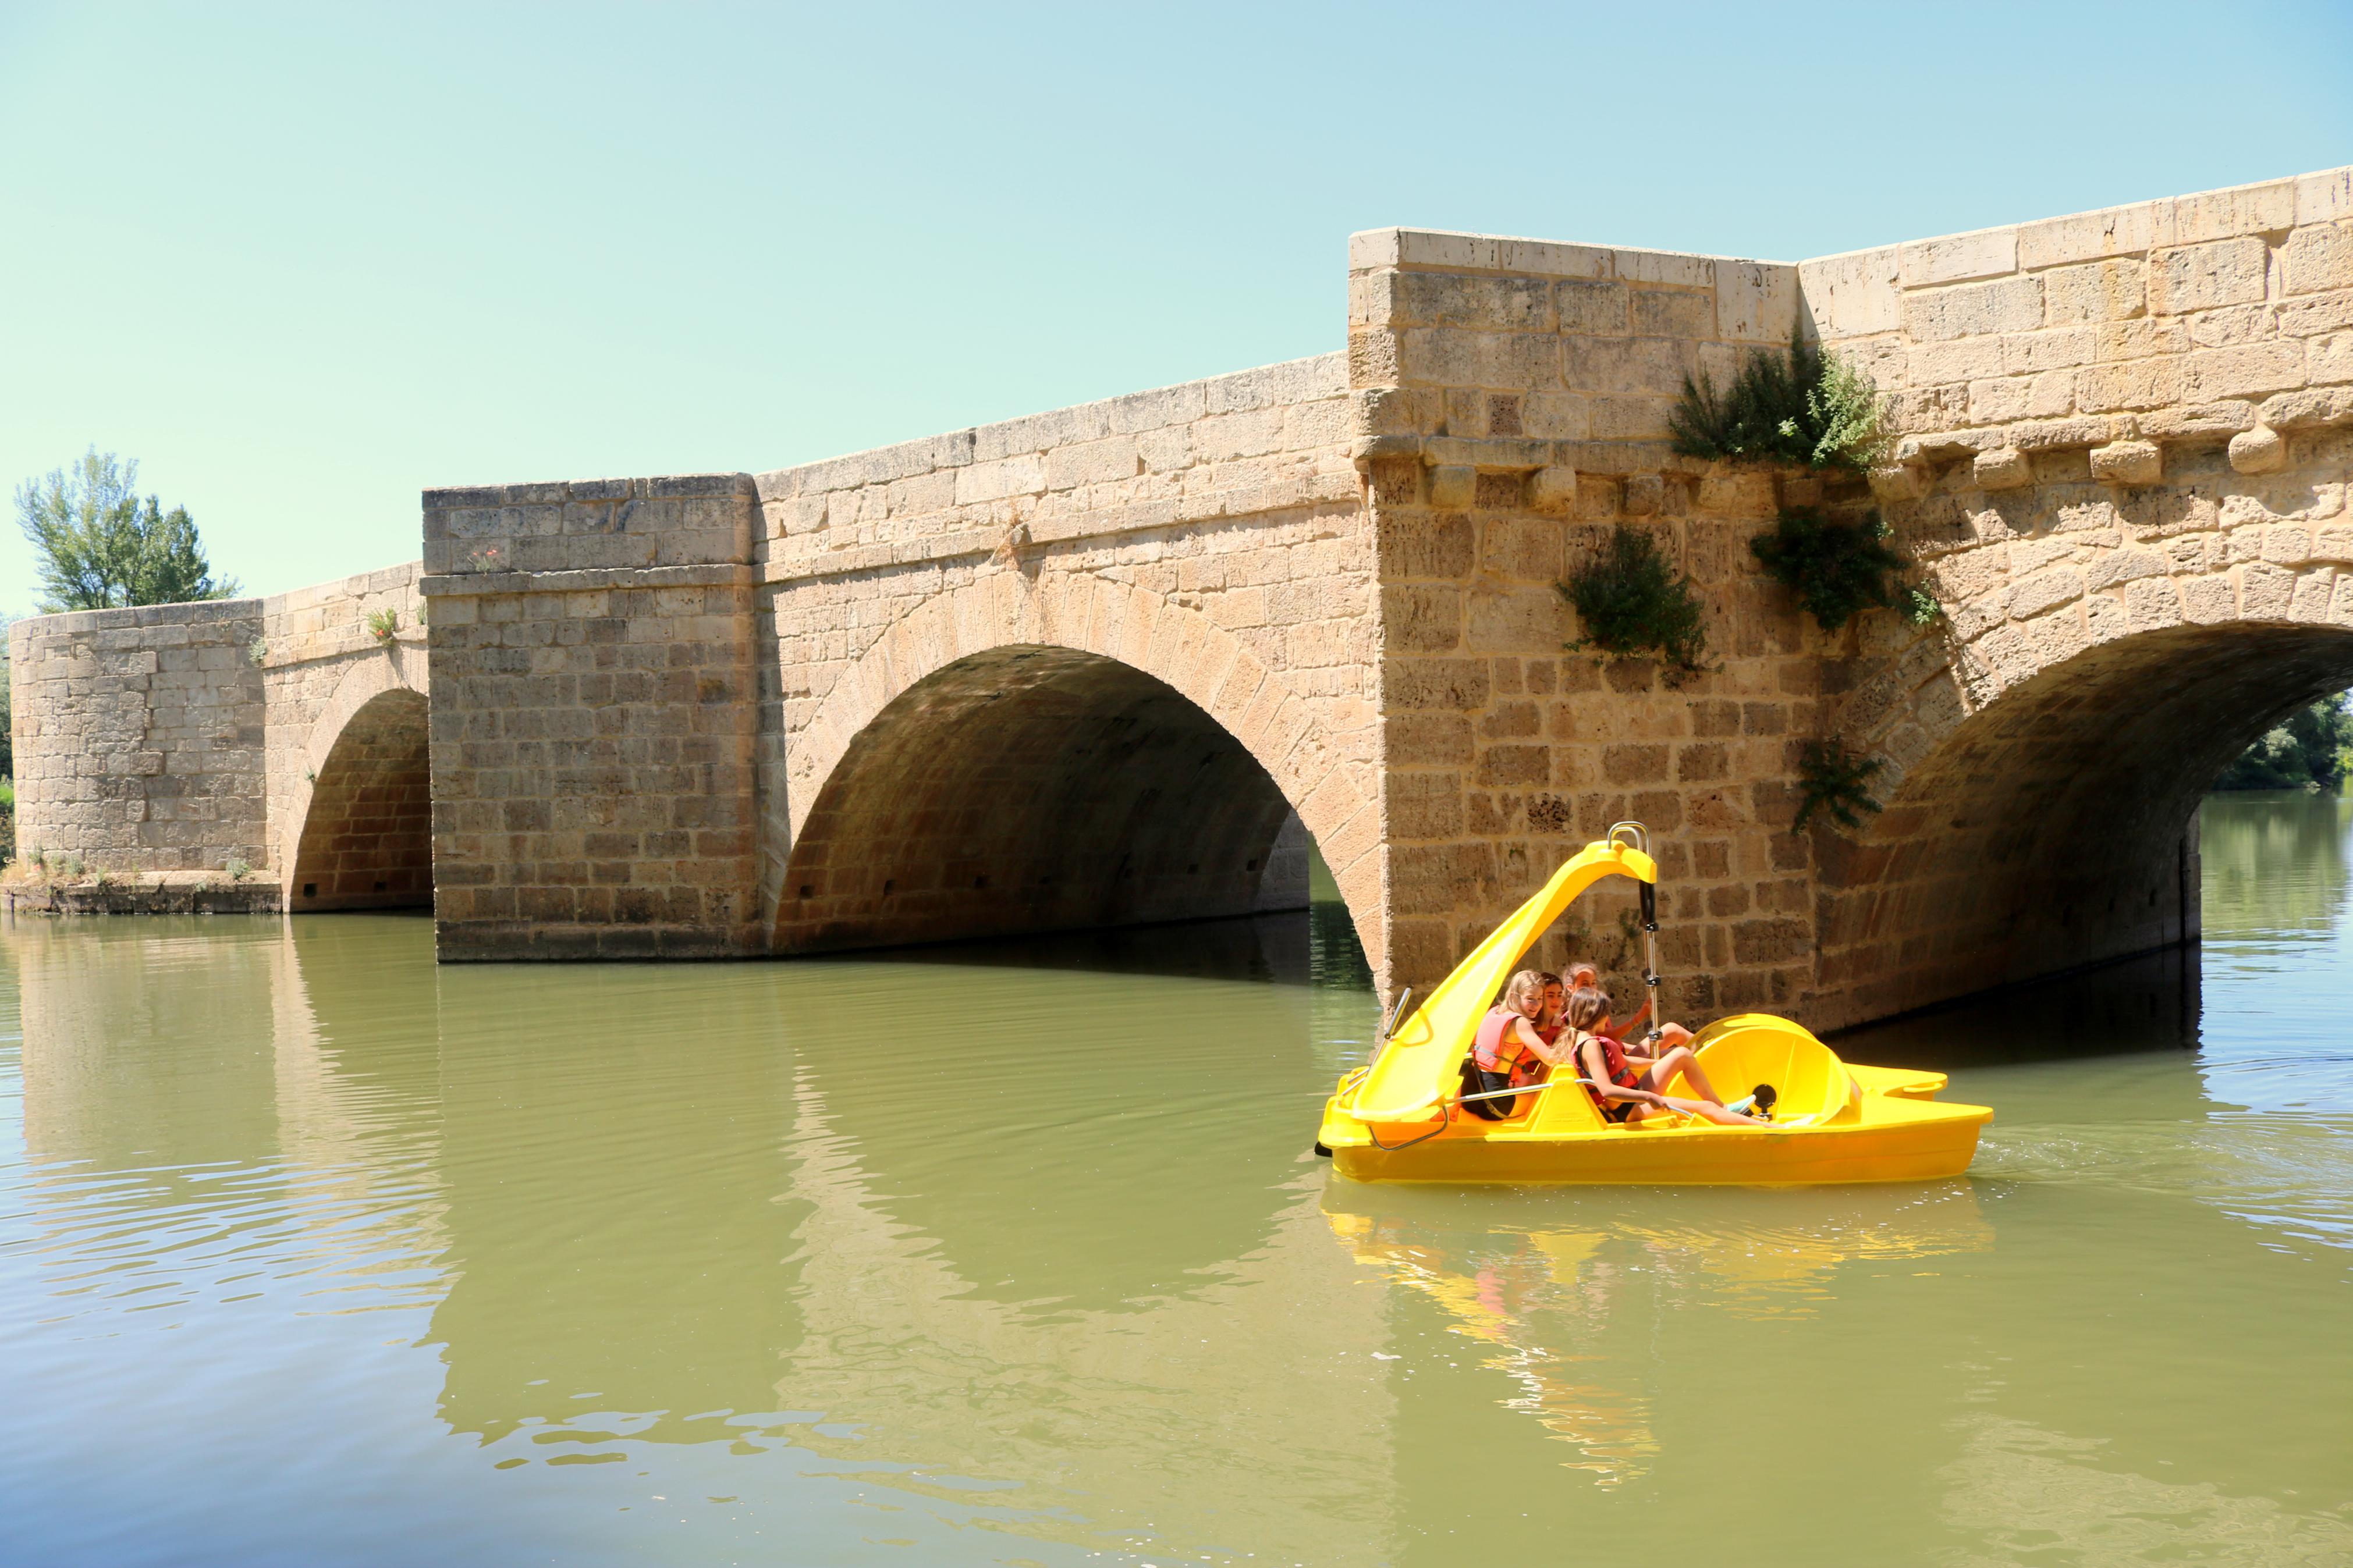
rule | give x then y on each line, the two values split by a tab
1625	1091
1506	1038
1550	1024
1582	976
1553	1021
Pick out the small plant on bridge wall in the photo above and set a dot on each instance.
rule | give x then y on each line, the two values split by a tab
383	623
1807	406
257	650
1834	779
1632	606
1840	569
239	869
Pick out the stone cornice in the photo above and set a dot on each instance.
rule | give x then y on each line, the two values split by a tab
482	585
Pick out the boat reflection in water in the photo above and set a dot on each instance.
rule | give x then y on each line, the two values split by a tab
1552	1300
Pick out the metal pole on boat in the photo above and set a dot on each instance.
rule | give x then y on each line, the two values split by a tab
1641	836
1388	1027
1651	953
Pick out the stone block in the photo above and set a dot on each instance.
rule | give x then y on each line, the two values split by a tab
1958	257
1852	295
2235	210
2325	197
2329	359
2003	468
1755	301
1899	481
2202	277
2249	371
2317	259
1672	313
2258	451
2097	292
1489	303
1091	462
1453	486
2127	463
1459	357
2135	383
1960	359
1655	367
1552	489
1593	306
2005	305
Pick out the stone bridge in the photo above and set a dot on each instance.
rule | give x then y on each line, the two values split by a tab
1122	663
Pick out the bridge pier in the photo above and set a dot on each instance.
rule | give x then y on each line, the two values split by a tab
594	700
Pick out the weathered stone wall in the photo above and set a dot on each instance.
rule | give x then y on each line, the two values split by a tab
182	737
324	662
139	736
592	700
1512	401
1196	555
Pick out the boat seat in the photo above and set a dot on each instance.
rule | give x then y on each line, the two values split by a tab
1743	1051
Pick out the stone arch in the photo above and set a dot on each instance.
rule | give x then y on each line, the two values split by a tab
365	835
2042	757
1117	713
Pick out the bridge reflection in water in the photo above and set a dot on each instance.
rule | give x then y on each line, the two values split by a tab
1016	1253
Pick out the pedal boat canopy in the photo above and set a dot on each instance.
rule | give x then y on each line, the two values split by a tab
1399	1118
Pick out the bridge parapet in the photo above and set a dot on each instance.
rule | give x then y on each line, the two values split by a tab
2082	348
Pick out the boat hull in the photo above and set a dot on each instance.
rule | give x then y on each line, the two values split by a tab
1914	1149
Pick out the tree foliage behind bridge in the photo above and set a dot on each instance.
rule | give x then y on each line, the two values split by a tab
2309	751
101	547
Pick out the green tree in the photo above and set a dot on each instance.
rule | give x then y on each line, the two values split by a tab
102	548
2307	751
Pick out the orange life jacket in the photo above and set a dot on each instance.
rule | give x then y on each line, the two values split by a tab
1496	1047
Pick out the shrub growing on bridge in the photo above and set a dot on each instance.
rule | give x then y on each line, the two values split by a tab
1805	406
1839	569
1834	778
1634	606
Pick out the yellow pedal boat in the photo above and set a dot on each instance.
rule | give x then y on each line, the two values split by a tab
1400	1117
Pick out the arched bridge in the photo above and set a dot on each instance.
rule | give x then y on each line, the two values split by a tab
1126	662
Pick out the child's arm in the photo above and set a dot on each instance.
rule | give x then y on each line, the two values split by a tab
1623	1028
1552	1056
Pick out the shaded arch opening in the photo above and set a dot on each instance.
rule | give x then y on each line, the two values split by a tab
2054	828
367	838
1031	789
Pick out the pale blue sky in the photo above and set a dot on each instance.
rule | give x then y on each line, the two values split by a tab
304	260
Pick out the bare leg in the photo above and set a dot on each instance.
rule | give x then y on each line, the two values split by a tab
1700	1108
1713	1112
1680	1059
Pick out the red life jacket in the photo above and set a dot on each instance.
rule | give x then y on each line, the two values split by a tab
1613	1058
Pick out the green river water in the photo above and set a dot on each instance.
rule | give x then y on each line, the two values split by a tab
312	1252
